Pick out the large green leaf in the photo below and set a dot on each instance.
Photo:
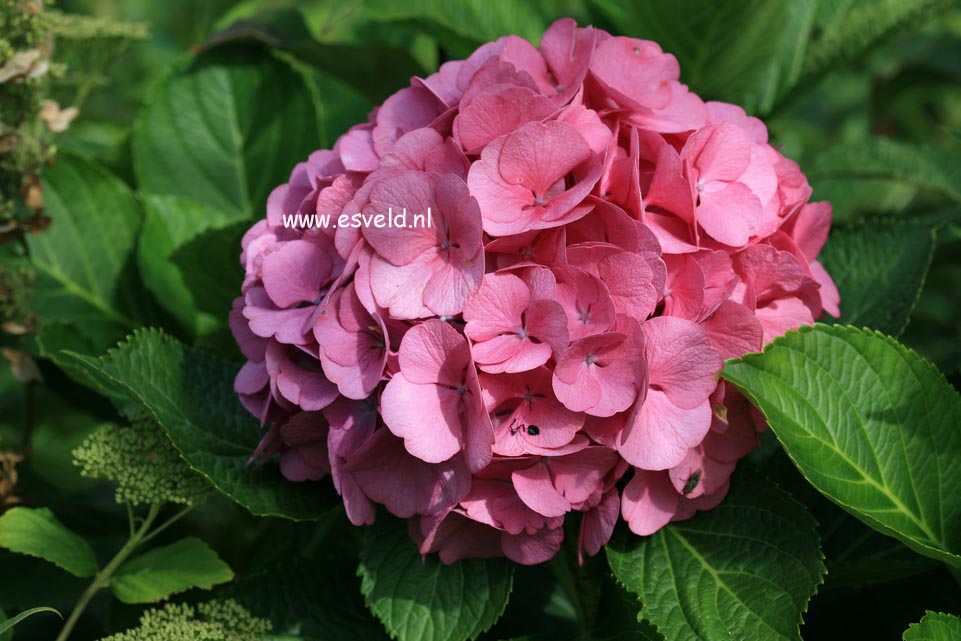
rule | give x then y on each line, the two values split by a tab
744	570
847	29
84	258
225	130
170	223
161	572
210	268
935	626
879	266
190	394
464	25
748	52
856	555
923	167
37	532
373	67
870	424
421	599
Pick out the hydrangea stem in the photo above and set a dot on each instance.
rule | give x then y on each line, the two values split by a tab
103	577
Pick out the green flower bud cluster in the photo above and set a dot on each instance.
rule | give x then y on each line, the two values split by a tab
143	463
212	621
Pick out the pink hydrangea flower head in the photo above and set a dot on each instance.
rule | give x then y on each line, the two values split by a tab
547	344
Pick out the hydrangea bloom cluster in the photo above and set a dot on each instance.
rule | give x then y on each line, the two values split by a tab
602	240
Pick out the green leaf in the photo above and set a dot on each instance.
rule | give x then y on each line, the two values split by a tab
37	532
170	223
856	555
748	52
923	167
225	130
60	427
879	266
321	598
190	394
744	570
464	25
161	572
210	266
935	626
870	424
6	625
374	68
848	30
421	599
84	258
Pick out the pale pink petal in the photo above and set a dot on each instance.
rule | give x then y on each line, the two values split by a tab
425	416
659	433
648	502
682	362
535	487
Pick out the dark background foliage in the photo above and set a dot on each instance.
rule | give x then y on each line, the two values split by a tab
865	95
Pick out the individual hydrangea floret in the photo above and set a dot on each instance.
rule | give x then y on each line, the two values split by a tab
551	346
223	620
143	463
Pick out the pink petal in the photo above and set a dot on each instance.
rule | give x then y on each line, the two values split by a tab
403	484
780	316
497	113
733	330
425	416
731	215
531	549
648	502
433	352
537	155
682	362
296	272
536	489
597	524
659	433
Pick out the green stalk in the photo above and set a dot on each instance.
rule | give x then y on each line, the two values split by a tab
103	577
